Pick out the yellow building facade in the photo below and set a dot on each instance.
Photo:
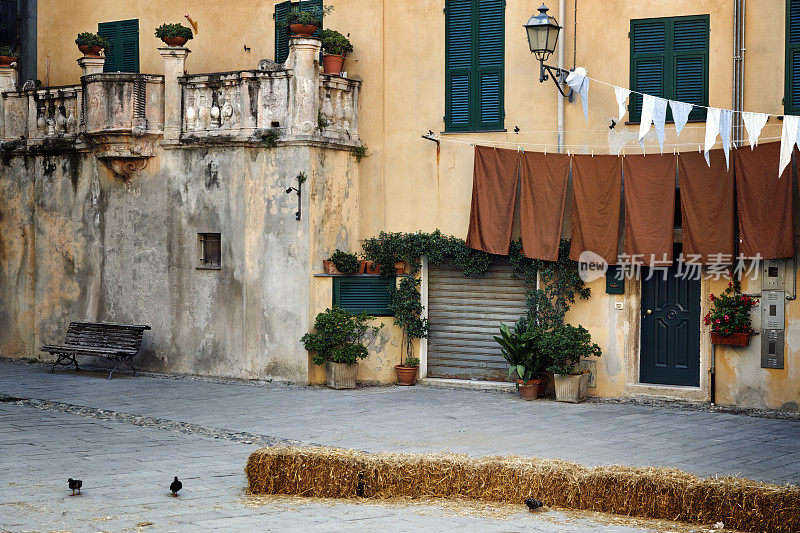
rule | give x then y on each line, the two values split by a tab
407	183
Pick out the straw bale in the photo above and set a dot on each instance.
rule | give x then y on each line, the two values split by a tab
661	493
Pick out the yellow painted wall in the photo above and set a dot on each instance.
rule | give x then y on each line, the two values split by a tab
407	184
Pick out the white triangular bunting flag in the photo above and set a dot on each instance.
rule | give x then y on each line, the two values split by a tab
712	129
725	116
659	117
622	95
754	122
648	101
788	140
680	113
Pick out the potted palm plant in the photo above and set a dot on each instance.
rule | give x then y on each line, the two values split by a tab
334	47
338	343
566	345
526	362
174	34
729	316
7	56
90	44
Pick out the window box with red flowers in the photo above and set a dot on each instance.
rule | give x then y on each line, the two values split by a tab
729	316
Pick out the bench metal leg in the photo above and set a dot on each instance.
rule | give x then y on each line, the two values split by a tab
116	366
129	361
64	360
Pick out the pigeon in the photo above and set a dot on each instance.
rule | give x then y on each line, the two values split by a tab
75	484
175	486
533	504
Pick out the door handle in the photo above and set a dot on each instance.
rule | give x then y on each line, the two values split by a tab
649	311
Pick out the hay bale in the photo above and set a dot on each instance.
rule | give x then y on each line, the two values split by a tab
661	493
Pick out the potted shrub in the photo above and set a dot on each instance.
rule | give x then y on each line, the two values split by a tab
729	316
522	349
302	23
90	44
566	345
174	34
334	47
7	56
407	372
342	263
338	343
407	307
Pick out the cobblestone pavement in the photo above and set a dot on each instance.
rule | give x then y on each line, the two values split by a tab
436	419
126	470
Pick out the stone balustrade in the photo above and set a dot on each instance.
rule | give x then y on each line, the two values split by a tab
41	114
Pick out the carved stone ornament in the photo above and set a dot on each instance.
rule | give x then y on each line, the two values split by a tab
125	167
123	154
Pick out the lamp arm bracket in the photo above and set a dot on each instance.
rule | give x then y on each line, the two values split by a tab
559	76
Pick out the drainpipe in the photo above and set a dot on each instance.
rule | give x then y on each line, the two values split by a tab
738	70
712	374
561	12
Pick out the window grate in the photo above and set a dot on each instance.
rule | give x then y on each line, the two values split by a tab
210	250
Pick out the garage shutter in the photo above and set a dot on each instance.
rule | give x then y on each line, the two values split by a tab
464	314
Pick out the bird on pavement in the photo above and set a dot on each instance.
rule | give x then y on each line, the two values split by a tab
533	504
175	486
75	484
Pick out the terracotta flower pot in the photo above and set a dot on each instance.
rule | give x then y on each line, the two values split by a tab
362	266
529	390
303	30
174	41
406	375
330	268
400	268
734	339
5	61
373	268
90	51
332	63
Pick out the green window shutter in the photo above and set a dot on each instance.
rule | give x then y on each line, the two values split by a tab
363	293
648	59
791	101
474	61
122	54
690	63
282	34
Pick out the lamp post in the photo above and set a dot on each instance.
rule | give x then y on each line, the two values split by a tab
543	32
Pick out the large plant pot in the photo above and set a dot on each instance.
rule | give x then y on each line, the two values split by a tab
330	268
734	339
5	61
341	375
572	388
406	375
174	41
529	390
373	268
303	30
332	63
90	51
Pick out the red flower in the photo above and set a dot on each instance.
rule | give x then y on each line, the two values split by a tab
713	297
717	321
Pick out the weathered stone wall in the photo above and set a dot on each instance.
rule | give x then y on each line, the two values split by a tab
77	242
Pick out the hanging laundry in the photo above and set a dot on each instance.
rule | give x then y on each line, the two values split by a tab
680	113
712	129
788	140
579	83
754	122
659	117
622	95
648	101
725	116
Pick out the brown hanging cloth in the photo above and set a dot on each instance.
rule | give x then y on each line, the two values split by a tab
596	195
543	190
764	203
706	206
494	194
649	205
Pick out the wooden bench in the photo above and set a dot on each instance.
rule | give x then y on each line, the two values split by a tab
119	342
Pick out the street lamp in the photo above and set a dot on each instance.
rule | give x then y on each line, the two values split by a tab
543	32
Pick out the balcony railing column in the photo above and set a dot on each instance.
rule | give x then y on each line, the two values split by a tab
303	60
91	65
8	79
174	66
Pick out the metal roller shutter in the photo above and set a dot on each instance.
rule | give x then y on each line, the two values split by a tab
464	314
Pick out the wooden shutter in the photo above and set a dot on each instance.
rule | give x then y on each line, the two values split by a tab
669	58
281	33
363	293
791	101
122	54
474	60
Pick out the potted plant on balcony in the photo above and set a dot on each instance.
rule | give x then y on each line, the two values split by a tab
90	44
7	56
334	47
522	349
343	263
302	23
566	345
729	316
174	34
338	343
